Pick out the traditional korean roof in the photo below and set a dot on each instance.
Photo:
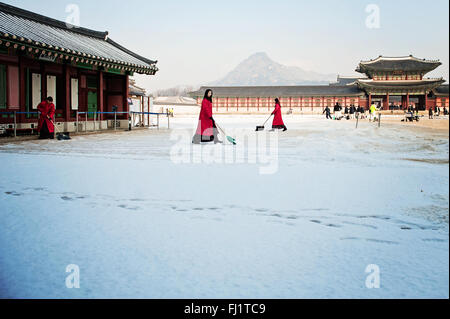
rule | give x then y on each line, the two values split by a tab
442	90
346	80
136	90
280	91
174	101
40	35
407	64
413	85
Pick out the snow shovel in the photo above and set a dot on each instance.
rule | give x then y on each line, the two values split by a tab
60	136
261	128
229	138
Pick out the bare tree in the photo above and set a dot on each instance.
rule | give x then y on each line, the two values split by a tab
175	91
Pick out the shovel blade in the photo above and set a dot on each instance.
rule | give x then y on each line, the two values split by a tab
259	128
231	140
63	137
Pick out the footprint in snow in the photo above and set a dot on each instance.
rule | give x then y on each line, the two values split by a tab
13	193
129	207
379	241
436	240
328	225
362	225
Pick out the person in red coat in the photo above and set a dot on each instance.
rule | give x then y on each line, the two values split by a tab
45	126
278	118
207	129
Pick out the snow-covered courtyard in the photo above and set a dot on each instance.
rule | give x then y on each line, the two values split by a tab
140	225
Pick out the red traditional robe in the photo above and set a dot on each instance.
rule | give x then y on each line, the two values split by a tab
278	119
47	112
205	124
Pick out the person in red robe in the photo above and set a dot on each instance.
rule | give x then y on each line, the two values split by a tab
278	123
45	126
206	129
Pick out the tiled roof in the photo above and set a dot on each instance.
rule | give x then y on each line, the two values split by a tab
442	90
345	80
174	100
391	64
135	90
280	91
36	32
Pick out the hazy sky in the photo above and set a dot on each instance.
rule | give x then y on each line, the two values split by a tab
200	41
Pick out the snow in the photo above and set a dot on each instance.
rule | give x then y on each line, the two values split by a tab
139	225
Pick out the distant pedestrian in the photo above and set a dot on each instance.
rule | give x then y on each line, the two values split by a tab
337	111
430	113
373	112
362	112
438	111
327	111
358	111
352	111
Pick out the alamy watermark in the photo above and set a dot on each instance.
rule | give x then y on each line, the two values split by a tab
73	19
73	279
373	20
253	148
373	280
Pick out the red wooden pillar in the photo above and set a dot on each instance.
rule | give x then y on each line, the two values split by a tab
247	105
126	107
426	101
22	92
301	104
370	99
227	103
143	110
67	90
100	94
387	101
407	99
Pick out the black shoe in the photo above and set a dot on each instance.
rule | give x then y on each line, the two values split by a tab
285	129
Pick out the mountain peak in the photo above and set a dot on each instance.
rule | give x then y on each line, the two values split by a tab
259	55
259	70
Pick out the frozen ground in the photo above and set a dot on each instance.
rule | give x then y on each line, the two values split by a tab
139	225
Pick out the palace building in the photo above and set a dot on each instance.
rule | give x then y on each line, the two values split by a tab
83	70
391	82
